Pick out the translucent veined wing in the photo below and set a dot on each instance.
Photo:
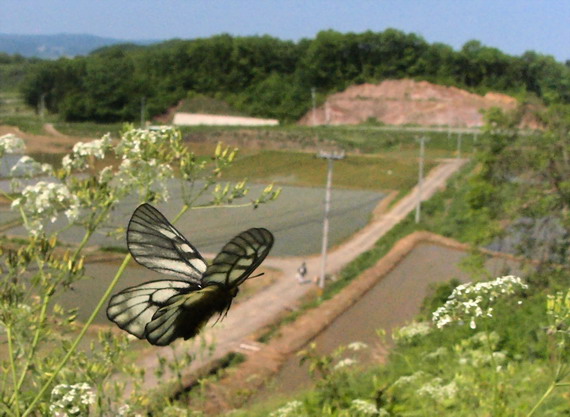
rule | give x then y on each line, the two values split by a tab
133	308
239	258
156	244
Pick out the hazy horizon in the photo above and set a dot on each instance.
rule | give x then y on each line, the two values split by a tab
512	27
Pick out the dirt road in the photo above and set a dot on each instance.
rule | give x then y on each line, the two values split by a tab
265	307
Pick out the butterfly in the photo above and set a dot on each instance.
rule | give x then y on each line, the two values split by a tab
164	310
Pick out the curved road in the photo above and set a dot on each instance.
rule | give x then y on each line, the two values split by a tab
264	307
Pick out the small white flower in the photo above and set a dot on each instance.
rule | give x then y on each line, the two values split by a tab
106	175
437	391
82	151
11	143
343	363
71	400
43	200
28	167
291	409
356	346
411	332
364	407
409	379
469	302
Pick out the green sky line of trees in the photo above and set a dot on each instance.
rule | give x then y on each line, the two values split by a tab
268	77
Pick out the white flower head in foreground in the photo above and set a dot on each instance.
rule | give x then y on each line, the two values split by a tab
82	151
412	331
408	380
356	346
344	363
437	391
71	400
141	143
472	301
28	167
364	407
11	143
291	409
44	200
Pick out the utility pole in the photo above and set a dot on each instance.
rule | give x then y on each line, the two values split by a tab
143	99
314	98
420	178
330	157
42	105
459	145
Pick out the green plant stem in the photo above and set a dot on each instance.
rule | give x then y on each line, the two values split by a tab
544	397
43	315
6	410
223	206
12	366
80	336
33	347
495	376
553	385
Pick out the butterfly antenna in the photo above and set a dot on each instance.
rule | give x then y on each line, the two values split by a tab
258	275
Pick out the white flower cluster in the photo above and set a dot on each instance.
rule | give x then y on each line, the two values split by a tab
82	151
291	409
409	379
440	352
11	143
28	167
71	400
437	391
344	363
469	302
412	331
364	408
149	174
135	143
44	200
356	346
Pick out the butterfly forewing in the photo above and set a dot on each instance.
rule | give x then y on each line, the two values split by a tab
156	244
134	307
239	258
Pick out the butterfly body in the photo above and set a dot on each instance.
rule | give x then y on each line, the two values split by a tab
164	310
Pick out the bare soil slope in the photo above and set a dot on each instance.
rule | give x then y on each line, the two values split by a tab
400	102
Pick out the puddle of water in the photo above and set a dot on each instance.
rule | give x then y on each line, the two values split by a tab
395	300
295	219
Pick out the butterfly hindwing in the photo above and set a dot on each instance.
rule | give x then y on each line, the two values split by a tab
133	308
239	258
155	243
184	315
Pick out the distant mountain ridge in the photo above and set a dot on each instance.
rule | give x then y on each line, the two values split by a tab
56	46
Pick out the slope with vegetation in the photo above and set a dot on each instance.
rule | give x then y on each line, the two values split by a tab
268	77
498	347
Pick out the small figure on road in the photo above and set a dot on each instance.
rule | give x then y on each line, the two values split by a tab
301	272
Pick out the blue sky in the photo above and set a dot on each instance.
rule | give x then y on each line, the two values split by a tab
513	26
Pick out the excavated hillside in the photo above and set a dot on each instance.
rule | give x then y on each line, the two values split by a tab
409	102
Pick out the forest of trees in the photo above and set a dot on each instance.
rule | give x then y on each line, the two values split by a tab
269	77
